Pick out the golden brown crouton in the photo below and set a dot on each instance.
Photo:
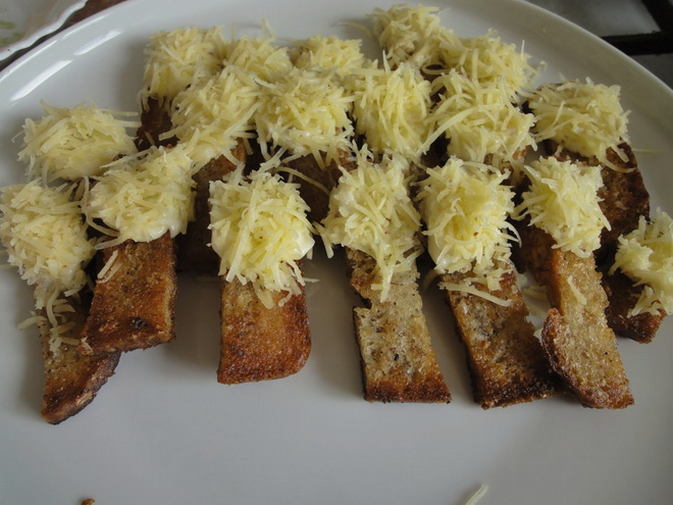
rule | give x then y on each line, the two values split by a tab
134	307
505	359
397	358
260	343
580	345
71	380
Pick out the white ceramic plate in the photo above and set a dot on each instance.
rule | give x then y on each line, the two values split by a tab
162	431
25	21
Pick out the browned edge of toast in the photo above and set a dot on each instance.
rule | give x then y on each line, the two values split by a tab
579	343
194	254
155	119
506	361
397	358
260	343
622	296
135	308
71	379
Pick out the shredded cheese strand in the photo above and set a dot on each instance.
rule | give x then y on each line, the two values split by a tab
260	231
646	256
583	117
370	210
562	201
73	143
144	197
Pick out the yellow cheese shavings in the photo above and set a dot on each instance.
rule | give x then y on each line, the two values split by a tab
45	237
344	57
210	117
391	109
413	35
260	231
370	210
259	57
491	62
465	207
478	120
145	196
178	58
305	112
646	256
586	118
562	201
73	143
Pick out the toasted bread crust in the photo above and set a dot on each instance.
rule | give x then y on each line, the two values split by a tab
71	380
194	254
134	309
397	358
622	296
258	343
580	345
315	197
155	119
624	199
505	359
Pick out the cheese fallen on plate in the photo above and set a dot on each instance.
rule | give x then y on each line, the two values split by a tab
582	117
304	112
74	143
492	62
144	196
260	231
646	256
45	237
177	58
210	117
391	109
478	120
259	56
562	201
370	210
344	57
465	207
414	35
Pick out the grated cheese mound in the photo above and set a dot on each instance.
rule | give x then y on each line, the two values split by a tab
465	207
259	57
305	112
413	35
344	57
586	118
177	58
370	210
211	116
391	109
646	256
45	238
562	201
491	62
145	196
260	231
73	143
478	120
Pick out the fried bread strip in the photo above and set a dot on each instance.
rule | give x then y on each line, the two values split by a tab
71	380
397	358
134	307
580	344
155	119
506	362
623	200
194	254
259	343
